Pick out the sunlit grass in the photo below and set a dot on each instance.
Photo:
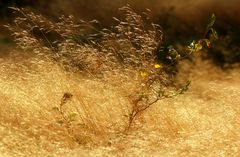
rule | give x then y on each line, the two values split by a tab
108	98
203	122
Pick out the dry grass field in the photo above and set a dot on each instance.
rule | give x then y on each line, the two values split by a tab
110	95
202	122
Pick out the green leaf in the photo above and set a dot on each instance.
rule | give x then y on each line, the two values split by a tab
193	43
211	22
173	52
214	35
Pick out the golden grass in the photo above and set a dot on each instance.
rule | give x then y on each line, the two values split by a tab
202	122
76	98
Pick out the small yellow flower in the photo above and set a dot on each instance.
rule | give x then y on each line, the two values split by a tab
144	74
157	66
198	46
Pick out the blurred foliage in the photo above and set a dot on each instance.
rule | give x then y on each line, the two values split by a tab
4	4
177	31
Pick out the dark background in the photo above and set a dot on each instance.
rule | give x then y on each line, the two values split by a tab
182	20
